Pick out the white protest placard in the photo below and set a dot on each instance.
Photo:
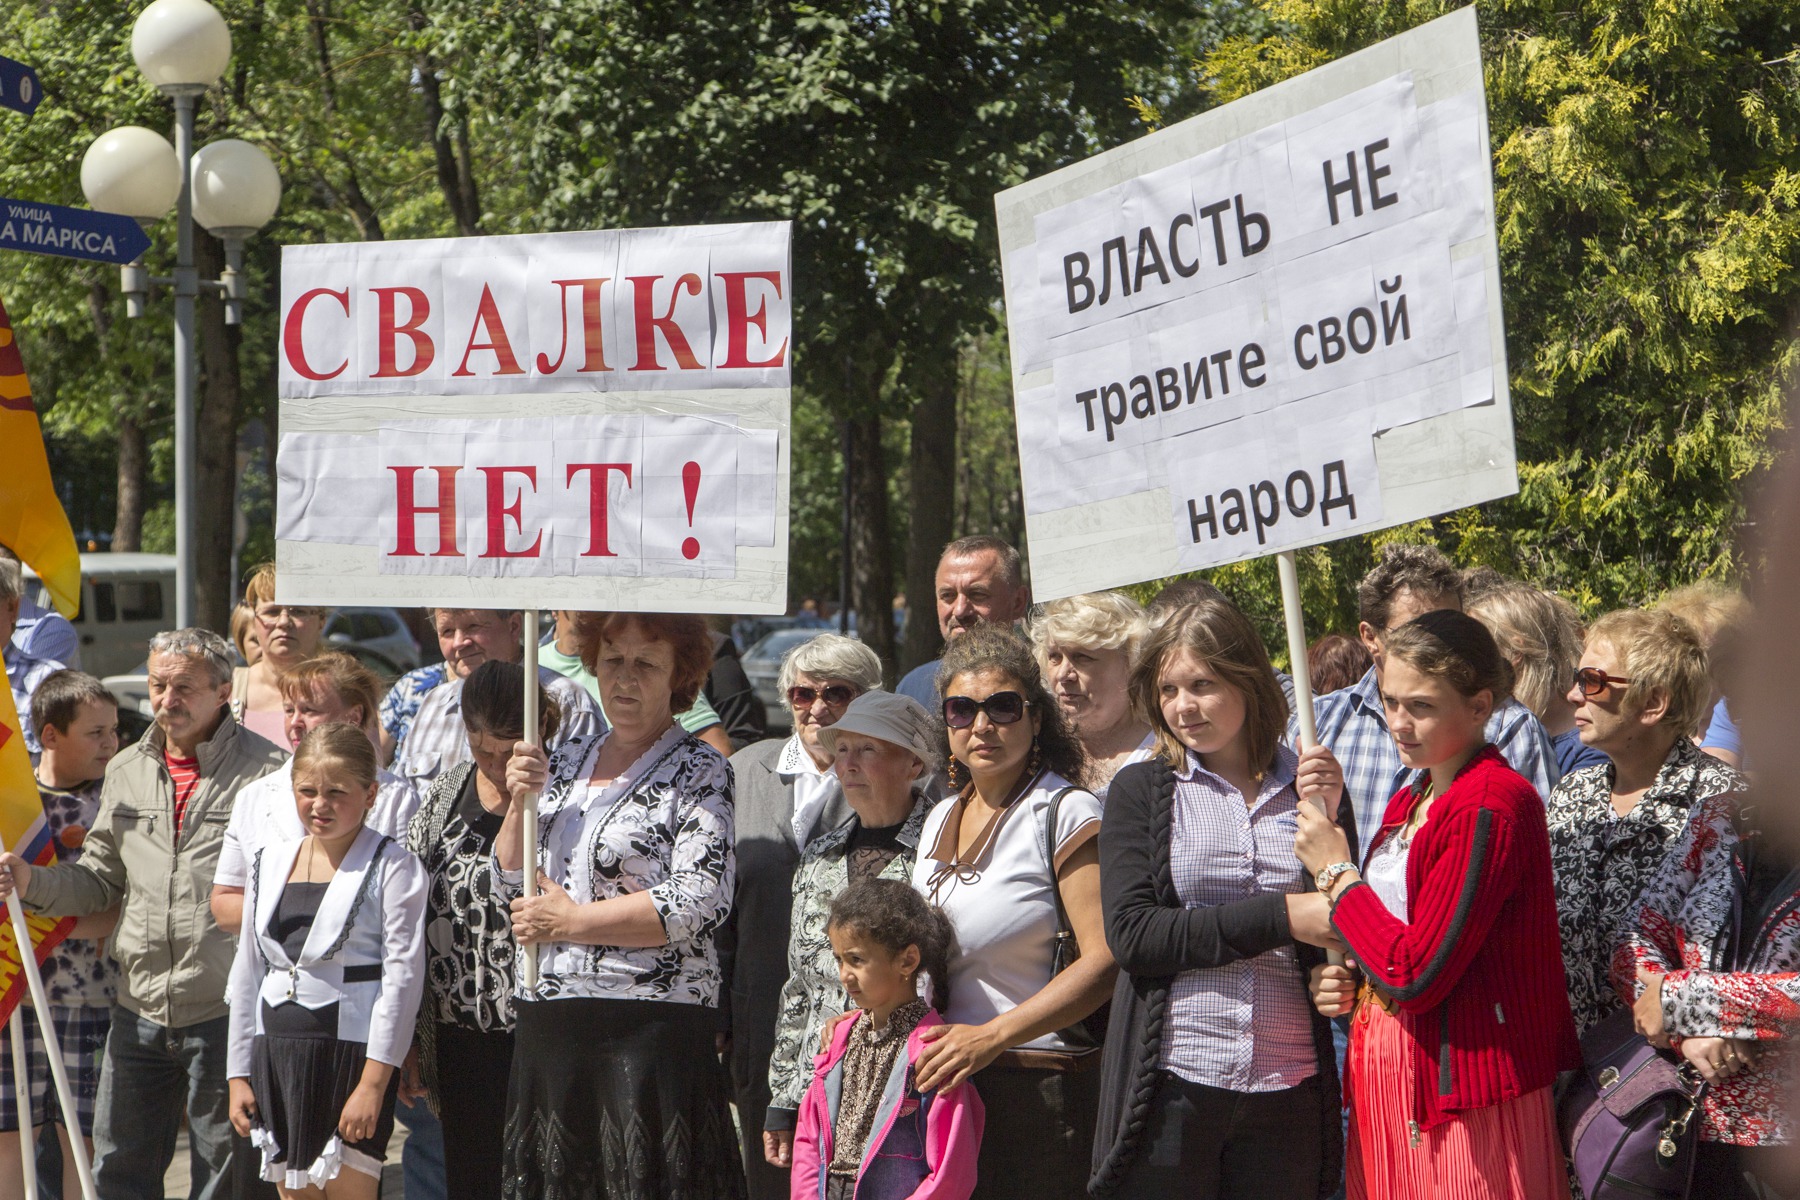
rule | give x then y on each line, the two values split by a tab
570	420
1269	326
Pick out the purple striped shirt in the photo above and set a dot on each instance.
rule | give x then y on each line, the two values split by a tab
1244	1026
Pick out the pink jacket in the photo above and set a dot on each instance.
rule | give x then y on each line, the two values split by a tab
923	1145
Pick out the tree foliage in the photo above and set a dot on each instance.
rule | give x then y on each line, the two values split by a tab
1647	195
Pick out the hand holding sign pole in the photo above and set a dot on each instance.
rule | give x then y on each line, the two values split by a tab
1301	672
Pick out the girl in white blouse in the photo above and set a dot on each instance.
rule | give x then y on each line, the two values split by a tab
635	866
327	981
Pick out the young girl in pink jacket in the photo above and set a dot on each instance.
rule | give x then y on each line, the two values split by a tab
866	1131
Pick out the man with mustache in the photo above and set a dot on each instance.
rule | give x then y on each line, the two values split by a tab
980	581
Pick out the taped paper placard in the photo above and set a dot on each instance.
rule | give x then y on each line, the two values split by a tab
585	420
1267	288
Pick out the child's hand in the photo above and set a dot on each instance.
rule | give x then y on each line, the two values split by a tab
243	1107
361	1110
778	1147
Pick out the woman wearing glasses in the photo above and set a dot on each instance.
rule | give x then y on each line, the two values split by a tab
787	795
1012	859
1641	686
885	758
290	635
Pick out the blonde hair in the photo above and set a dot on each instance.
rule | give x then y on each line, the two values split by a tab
1659	650
1538	633
1711	609
260	587
242	623
345	745
1219	635
1095	621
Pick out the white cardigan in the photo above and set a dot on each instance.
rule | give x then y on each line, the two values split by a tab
371	917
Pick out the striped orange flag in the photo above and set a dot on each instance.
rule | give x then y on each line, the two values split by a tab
34	526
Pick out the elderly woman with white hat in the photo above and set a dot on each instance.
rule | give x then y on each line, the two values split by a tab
884	752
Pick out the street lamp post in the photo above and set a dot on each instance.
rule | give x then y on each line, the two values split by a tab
182	47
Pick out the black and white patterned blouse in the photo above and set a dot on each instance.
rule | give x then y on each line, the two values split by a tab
1602	861
664	826
468	930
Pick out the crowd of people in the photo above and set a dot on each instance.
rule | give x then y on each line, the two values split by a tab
1072	911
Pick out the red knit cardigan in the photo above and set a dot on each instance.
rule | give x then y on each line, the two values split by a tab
1476	970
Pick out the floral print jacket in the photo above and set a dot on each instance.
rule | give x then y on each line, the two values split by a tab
1680	928
1602	861
812	994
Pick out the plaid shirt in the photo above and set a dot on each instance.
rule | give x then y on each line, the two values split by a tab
1245	1026
438	740
1353	726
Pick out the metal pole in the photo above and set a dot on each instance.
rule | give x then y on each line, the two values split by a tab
47	1030
530	811
187	288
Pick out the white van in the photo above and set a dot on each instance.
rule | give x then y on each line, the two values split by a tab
125	600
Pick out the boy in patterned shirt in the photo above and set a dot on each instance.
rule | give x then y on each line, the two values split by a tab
78	724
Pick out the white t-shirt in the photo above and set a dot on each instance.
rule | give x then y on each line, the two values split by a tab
265	813
1000	901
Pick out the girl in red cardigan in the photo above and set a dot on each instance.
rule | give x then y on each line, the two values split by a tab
1463	1022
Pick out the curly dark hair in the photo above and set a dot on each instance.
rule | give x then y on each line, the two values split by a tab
990	648
894	916
1406	567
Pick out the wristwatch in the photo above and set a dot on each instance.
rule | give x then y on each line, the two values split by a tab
1324	879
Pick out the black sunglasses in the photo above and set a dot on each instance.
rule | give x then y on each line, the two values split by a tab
1592	681
836	695
1002	708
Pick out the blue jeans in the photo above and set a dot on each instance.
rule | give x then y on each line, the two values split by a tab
422	1158
150	1074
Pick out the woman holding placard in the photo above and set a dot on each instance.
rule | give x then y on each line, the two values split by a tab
1220	1078
1463	1023
617	1092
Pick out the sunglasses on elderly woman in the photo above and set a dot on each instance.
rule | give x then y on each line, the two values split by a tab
1002	708
1593	681
836	695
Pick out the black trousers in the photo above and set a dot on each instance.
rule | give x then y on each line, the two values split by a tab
473	1070
1038	1143
1724	1172
1205	1142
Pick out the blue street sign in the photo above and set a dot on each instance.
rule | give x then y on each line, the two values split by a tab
19	88
70	232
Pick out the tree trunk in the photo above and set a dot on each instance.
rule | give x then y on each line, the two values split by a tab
215	434
871	554
128	522
932	499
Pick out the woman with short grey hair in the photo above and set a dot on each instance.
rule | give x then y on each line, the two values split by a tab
1085	647
884	749
786	796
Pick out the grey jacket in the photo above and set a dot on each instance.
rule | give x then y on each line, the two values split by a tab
753	948
174	960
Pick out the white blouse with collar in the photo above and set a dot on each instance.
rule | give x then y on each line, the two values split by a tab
664	826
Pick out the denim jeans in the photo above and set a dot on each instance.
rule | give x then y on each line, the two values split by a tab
150	1074
422	1158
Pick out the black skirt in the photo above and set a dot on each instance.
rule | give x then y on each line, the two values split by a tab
618	1100
301	1085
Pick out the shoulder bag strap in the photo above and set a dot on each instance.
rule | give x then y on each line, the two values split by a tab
1066	951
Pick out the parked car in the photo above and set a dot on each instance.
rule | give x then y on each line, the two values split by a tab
126	599
762	663
381	630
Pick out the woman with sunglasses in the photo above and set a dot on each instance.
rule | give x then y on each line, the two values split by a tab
290	635
787	795
1222	1080
1008	859
1642	684
886	760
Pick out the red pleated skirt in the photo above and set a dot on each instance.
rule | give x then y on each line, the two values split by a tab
1510	1151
